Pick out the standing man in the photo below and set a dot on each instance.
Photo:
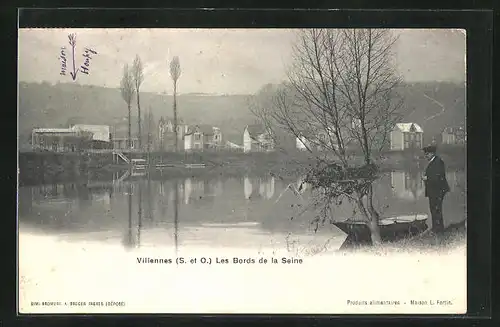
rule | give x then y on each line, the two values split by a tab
436	186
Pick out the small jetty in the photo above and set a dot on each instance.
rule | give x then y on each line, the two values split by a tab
232	225
179	165
391	229
140	167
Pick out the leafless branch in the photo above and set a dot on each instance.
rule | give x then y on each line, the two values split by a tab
340	96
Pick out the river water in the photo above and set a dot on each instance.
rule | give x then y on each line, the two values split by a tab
87	230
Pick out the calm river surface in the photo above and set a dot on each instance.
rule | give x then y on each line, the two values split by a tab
244	212
81	242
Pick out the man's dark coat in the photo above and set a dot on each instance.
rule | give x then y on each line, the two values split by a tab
436	185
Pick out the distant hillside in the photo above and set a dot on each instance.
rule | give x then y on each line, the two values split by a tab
45	105
434	106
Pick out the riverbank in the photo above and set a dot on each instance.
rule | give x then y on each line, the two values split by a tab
454	236
47	167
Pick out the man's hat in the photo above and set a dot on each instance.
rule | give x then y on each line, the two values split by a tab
429	149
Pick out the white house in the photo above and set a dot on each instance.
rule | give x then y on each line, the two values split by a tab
453	135
201	137
256	138
319	140
406	136
99	132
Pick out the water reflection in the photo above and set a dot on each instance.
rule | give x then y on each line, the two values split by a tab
129	239
247	187
258	187
176	217
176	211
407	185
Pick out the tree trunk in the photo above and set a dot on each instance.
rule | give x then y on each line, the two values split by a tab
139	136
129	240
139	214
374	218
149	139
175	117
371	223
129	127
362	210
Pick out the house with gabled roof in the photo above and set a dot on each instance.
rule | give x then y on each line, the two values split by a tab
406	136
75	138
257	138
202	137
166	134
317	140
453	135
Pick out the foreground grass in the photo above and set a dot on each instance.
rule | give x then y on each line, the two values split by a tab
454	237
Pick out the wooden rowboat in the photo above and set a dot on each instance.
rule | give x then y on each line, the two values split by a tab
391	229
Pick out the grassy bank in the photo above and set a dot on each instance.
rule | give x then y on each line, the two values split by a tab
454	236
42	167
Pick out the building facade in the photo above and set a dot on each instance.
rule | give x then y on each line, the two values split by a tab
73	139
202	137
453	136
121	143
257	139
406	136
166	135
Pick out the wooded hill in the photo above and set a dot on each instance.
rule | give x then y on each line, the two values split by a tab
433	105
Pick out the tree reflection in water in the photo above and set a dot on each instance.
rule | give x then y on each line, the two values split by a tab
129	240
176	216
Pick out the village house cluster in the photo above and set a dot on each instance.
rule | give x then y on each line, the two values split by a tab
202	137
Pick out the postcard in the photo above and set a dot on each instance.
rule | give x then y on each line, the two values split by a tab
264	170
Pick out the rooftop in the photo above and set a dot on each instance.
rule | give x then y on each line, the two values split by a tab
202	128
255	130
99	132
54	130
407	127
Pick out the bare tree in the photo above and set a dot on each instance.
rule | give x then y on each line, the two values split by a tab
138	76
340	97
127	91
149	122
175	73
262	106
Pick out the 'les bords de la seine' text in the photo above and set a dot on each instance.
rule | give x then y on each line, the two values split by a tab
219	260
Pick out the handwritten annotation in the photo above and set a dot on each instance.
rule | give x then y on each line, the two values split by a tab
84	68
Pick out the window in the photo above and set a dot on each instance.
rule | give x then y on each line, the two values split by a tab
54	146
197	136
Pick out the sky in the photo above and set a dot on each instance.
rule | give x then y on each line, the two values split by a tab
221	61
